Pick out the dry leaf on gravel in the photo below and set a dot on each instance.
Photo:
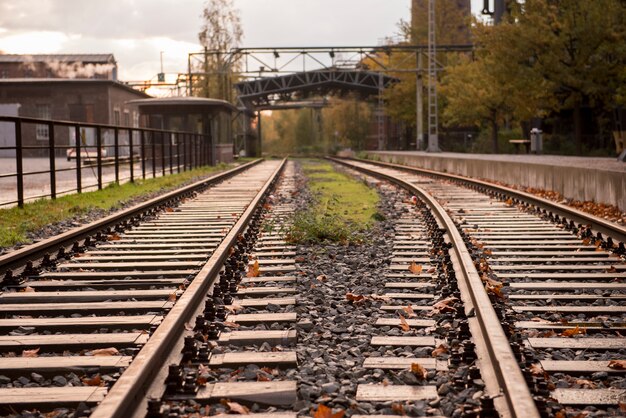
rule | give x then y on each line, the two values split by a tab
403	324
444	305
419	371
254	270
235	407
27	289
398	408
415	268
441	349
321	278
231	324
94	381
355	298
114	237
170	210
570	332
487	252
587	384
233	308
325	412
617	364
111	351
31	353
410	313
172	297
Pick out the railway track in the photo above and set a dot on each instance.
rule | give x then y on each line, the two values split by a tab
556	286
93	326
470	304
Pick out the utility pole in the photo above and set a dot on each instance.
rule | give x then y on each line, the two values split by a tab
380	117
419	104
433	137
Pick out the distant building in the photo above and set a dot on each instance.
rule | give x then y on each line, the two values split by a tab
90	66
79	100
210	117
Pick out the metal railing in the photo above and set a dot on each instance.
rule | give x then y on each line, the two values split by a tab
102	154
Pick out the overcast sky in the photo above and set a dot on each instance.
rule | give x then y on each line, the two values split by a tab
135	31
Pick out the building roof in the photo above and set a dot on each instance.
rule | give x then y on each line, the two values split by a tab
72	81
90	58
184	101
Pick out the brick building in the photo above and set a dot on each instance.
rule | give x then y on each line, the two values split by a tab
80	100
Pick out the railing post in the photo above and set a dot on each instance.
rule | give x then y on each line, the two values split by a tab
79	171
142	141
51	155
132	168
178	152
18	164
116	153
153	147
163	153
171	153
184	152
99	155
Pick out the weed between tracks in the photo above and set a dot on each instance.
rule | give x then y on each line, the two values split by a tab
16	224
343	207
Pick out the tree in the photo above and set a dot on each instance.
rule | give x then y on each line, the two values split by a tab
221	31
574	50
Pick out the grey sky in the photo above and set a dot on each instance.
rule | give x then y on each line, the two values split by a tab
137	30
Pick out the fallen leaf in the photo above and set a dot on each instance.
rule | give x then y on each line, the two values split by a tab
441	349
254	270
172	297
573	331
385	382
495	289
111	351
509	202
415	268
235	407
355	298
30	353
588	384
94	381
325	412
261	377
487	252
322	277
431	270
169	210
617	364
560	414
410	313
419	371
398	408
611	269
444	305
403	324
233	308
231	324
114	237
536	369
586	241
27	289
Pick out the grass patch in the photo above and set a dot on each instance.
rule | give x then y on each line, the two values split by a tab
15	223
344	207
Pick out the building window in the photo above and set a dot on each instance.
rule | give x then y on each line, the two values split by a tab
42	131
126	118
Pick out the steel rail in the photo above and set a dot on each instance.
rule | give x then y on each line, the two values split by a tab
18	258
603	226
501	362
128	392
